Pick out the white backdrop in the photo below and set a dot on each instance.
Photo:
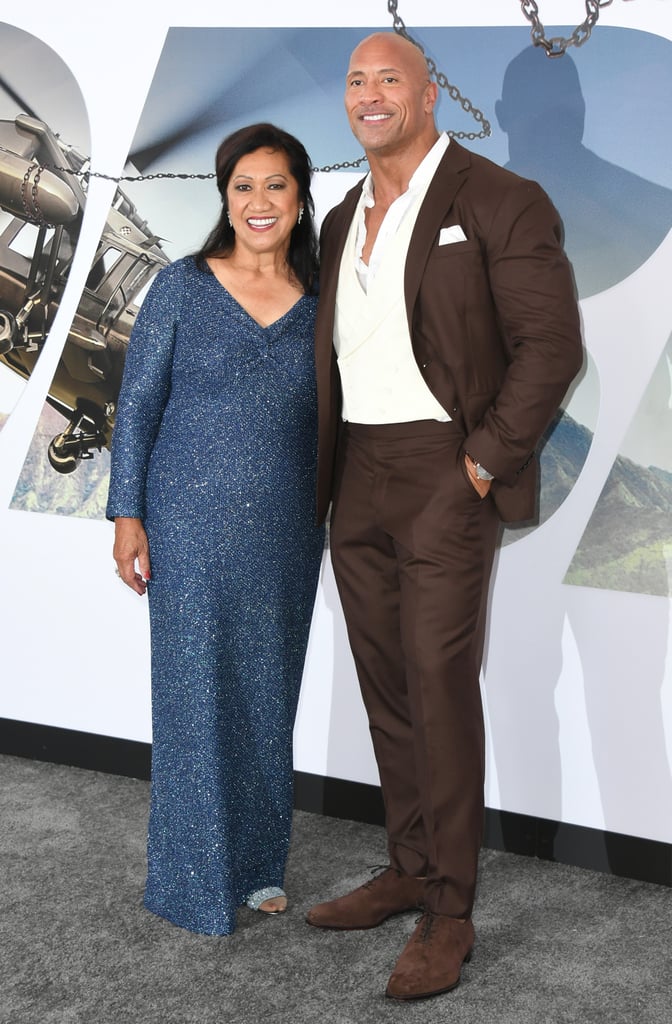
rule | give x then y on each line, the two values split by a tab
578	681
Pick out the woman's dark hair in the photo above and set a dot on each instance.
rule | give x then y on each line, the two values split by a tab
302	255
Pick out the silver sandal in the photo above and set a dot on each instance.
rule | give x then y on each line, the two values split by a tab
259	896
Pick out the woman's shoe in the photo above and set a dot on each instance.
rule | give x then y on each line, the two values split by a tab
270	900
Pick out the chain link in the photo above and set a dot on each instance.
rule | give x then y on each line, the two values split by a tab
85	175
38	215
35	215
24	187
441	80
343	166
556	46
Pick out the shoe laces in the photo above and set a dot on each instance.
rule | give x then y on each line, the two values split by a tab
377	871
427	916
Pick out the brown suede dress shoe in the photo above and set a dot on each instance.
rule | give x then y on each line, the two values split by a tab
386	894
432	958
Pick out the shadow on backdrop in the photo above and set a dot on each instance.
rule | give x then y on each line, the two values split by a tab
614	220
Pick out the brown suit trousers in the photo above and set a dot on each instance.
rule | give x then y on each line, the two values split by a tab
412	547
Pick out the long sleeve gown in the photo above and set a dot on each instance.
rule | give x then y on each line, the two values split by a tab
214	449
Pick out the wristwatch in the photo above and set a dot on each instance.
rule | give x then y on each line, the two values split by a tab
481	472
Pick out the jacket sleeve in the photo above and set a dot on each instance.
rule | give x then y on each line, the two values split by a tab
145	389
533	291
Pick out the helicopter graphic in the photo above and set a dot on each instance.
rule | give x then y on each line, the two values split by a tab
42	202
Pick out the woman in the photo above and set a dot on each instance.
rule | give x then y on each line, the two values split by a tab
212	487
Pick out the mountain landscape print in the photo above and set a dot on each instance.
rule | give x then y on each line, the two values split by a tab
627	544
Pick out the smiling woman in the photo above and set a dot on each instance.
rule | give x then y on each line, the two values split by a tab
263	210
212	492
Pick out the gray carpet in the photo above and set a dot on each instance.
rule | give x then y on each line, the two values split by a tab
554	944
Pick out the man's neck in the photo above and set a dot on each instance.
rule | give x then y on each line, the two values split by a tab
392	172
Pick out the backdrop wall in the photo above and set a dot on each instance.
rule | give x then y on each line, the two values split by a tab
578	681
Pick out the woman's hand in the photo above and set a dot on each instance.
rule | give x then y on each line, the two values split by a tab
131	547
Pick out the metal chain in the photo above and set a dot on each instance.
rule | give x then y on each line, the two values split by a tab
38	215
85	175
24	186
556	46
35	215
344	165
441	80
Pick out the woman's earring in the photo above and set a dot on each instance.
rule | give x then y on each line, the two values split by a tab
228	214
300	215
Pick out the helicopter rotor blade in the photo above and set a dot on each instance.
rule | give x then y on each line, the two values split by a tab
13	95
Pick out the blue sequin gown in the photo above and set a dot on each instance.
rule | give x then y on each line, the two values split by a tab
214	448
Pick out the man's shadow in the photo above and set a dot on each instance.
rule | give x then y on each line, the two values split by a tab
614	220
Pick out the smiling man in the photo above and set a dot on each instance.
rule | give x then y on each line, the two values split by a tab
446	337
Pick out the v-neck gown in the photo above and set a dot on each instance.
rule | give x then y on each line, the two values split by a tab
214	449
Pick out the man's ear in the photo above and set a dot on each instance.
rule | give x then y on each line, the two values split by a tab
432	96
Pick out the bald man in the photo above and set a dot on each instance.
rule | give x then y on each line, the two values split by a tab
447	335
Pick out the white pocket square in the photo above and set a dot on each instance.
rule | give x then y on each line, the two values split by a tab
452	234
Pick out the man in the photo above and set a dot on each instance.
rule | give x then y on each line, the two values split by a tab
446	338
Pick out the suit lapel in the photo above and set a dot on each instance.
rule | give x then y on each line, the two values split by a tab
449	177
329	267
338	232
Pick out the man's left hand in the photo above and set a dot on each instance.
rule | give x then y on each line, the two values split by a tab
480	486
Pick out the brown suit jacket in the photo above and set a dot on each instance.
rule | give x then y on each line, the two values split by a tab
493	320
